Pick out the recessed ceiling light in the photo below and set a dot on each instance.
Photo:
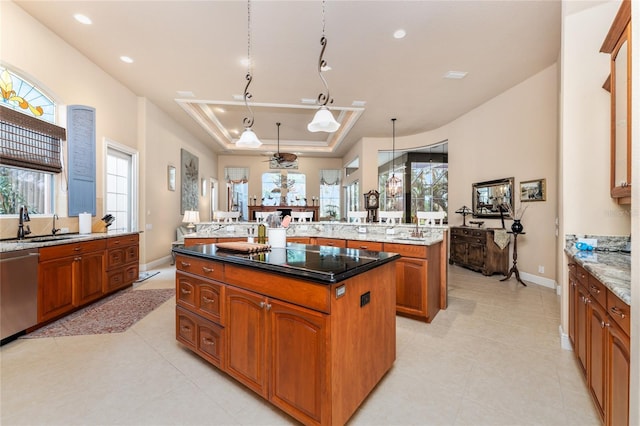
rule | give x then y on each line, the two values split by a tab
455	75
399	33
126	59
83	19
185	94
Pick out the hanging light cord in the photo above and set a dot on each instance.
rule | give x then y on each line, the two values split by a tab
248	121
323	98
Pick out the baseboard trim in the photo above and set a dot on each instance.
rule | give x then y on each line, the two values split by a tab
545	282
158	262
565	343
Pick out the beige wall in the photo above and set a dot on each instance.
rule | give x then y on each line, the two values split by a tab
32	50
512	135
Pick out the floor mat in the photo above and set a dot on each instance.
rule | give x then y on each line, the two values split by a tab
114	314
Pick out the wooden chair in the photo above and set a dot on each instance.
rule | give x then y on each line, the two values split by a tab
221	216
390	217
358	216
302	216
430	218
261	216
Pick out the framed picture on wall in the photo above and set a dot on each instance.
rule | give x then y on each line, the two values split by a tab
533	190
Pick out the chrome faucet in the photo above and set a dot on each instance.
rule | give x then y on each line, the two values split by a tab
54	230
23	217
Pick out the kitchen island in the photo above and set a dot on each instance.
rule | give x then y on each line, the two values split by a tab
311	329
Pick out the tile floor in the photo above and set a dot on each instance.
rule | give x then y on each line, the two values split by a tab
492	358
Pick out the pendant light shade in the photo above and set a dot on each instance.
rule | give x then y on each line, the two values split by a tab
248	139
323	121
393	186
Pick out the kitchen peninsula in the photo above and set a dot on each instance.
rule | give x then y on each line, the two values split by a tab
309	328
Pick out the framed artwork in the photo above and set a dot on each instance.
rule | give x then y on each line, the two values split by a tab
189	182
171	178
533	190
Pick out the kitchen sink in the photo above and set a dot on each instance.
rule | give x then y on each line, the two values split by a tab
45	239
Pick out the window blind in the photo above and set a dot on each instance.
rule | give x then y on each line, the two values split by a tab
29	142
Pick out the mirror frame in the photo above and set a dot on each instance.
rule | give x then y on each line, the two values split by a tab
493	186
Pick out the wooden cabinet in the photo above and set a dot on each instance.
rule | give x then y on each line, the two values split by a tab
69	276
122	262
474	248
617	44
364	245
331	242
600	323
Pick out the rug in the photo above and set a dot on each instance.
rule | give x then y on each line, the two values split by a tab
114	314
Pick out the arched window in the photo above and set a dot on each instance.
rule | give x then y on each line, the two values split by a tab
21	184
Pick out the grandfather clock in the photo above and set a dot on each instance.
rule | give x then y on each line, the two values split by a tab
371	204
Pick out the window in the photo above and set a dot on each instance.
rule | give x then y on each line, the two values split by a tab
30	147
120	187
330	194
352	196
280	189
429	186
237	189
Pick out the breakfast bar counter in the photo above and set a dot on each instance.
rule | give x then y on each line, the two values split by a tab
312	329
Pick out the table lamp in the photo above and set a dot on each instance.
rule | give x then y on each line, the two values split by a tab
464	211
191	217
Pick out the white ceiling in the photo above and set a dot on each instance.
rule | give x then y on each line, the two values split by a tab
197	46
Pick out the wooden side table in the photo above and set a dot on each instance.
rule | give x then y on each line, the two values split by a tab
514	268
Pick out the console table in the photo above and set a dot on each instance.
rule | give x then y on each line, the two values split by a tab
286	210
474	248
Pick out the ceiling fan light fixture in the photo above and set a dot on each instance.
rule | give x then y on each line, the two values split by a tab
323	121
248	139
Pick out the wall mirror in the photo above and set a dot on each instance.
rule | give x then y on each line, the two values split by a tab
489	196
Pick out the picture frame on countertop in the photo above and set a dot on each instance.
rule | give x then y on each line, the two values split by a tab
533	190
171	178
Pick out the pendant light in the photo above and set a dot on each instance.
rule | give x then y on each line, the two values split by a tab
248	139
394	184
323	120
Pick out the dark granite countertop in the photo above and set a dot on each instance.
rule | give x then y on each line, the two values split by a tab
322	264
613	269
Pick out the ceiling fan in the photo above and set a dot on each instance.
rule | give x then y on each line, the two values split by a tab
282	158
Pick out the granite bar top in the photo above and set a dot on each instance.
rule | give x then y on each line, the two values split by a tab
403	233
613	269
321	264
36	242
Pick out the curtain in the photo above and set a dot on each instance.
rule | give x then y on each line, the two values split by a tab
329	177
236	174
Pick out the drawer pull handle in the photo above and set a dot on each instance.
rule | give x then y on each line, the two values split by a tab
185	328
185	264
185	291
209	342
617	311
596	289
77	249
268	306
208	300
116	243
207	270
262	304
363	247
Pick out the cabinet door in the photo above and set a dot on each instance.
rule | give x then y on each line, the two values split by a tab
298	360
55	287
618	363
210	342
475	255
458	250
91	277
573	300
581	327
246	339
411	277
596	348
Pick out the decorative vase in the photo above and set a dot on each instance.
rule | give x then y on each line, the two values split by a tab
516	226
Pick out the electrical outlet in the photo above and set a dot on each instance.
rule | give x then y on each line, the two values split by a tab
365	299
540	269
593	242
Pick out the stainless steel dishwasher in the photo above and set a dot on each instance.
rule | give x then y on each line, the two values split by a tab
18	291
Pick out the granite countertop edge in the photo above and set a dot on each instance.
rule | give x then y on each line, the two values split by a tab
610	268
14	245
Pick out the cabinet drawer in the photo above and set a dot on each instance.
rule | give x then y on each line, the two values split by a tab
572	268
468	232
115	258
582	275
186	330
186	291
204	268
331	242
209	300
364	245
407	250
72	249
131	273
597	290
122	241
115	281
619	311
210	342
131	254
188	242
299	240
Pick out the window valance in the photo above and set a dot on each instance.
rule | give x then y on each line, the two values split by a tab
329	177
236	174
